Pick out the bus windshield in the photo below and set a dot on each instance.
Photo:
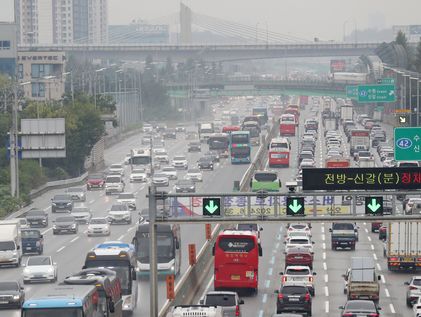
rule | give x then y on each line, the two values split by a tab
287	119
53	312
240	151
265	177
279	145
165	248
240	138
141	160
122	269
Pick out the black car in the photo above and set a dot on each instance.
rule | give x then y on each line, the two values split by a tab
62	202
185	186
293	298
360	308
12	294
205	163
32	241
65	224
194	147
37	218
170	134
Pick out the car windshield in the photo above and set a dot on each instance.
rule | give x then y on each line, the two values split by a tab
185	182
95	176
30	234
98	221
7	286
247	226
168	169
303	271
113	179
118	207
194	171
223	300
298	227
179	158
343	226
75	190
39	260
116	166
35	213
80	209
7	245
138	171
360	305
294	290
125	196
65	219
159	175
298	241
416	281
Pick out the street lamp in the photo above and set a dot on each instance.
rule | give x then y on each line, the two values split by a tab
49	78
95	83
71	86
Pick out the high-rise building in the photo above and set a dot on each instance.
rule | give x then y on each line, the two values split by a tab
62	21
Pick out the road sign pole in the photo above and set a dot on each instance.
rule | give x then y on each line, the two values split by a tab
153	269
354	205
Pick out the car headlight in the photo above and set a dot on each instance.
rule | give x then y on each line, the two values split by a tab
172	268
127	302
54	227
192	187
53	203
69	204
73	225
16	297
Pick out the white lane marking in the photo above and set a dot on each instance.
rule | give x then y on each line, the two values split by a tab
324	255
272	260
261	313
326	291
46	208
383	279
267	283
324	246
323	237
326	278
91	201
366	230
392	308
74	239
378	266
85	231
46	230
372	247
386	291
120	237
270	271
277	245
369	239
61	249
375	256
278	237
323	229
264	298
324	266
131	228
326	307
364	223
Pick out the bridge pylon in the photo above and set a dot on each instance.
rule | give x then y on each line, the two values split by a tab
185	24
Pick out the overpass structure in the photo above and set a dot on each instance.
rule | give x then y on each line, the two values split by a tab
218	52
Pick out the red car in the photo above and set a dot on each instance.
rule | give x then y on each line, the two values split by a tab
383	232
95	181
375	226
299	256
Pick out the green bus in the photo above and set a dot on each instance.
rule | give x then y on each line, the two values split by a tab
265	180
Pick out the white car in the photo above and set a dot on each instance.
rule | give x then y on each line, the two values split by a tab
180	161
333	153
160	179
293	234
307	163
299	275
98	226
39	269
116	169
24	223
127	198
417	308
389	163
194	175
300	227
119	213
77	193
161	155
299	242
138	175
170	171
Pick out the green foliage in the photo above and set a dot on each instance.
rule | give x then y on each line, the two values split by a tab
417	62
8	203
30	175
401	39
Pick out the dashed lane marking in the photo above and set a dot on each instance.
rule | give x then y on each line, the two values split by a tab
91	201
326	307
326	278
264	298
375	256
267	283
272	260
44	232
386	291
121	237
383	279
324	266
324	255
324	246
366	230
369	239
378	267
372	247
46	208
326	291
61	249
392	308
323	237
270	271
261	313
74	239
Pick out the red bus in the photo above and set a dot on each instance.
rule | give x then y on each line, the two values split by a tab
279	152
228	129
287	124
293	109
236	262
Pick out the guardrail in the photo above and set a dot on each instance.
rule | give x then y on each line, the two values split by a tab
189	284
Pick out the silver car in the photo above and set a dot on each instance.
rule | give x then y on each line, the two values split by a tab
160	179
98	226
127	198
119	213
82	213
229	301
77	193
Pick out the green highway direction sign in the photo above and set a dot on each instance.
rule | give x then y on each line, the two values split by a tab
376	93
407	144
295	206
211	206
352	92
386	81
373	205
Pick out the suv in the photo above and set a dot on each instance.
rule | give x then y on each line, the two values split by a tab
37	218
185	186
170	134
77	193
293	298
180	161
194	147
229	301
299	256
205	163
414	290
299	275
65	224
62	202
113	184
119	213
127	198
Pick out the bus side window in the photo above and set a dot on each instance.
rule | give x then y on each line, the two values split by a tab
177	244
260	250
133	273
213	250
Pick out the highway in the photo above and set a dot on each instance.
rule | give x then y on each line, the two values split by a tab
328	264
69	250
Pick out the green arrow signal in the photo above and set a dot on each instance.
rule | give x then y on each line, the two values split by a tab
211	207
295	206
374	205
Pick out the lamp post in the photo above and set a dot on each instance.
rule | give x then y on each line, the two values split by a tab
95	83
71	86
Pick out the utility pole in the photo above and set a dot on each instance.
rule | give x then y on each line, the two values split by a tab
14	148
153	277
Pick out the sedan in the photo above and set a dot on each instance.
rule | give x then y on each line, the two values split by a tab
205	163
40	268
117	169
82	214
180	161
77	193
12	294
138	175
185	186
98	226
307	163
363	308
119	213
160	179
170	171
127	198
95	181
65	224
194	175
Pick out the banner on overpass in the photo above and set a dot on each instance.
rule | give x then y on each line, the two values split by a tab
337	65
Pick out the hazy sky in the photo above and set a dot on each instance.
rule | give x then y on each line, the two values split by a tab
303	18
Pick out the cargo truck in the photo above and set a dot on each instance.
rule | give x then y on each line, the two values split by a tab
343	235
359	141
10	243
347	113
330	124
205	130
366	162
361	280
339	162
403	246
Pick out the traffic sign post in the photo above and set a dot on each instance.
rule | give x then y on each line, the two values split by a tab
352	92
295	206
407	144
211	206
376	93
373	205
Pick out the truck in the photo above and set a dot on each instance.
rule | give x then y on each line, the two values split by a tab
330	124
337	162
403	247
343	235
205	130
359	141
378	116
10	243
361	280
366	162
347	113
254	129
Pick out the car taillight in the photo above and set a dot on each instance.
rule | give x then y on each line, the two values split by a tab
413	288
373	315
284	279
310	279
280	296
237	310
394	259
418	259
307	297
347	315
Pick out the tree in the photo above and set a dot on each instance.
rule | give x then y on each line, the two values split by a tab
402	40
417	62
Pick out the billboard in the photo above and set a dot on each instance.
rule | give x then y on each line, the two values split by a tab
337	65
